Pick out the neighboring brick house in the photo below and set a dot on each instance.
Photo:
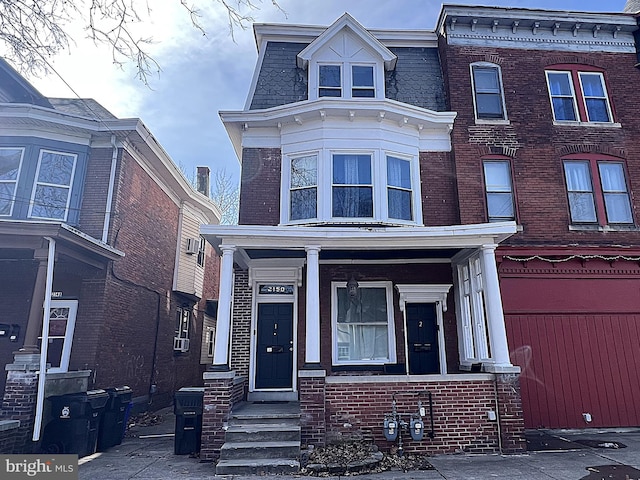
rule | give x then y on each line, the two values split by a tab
99	225
547	135
350	279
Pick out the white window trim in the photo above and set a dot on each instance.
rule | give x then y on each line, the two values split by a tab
488	121
342	79
346	80
573	95
72	305
391	334
487	192
324	192
36	183
15	182
375	82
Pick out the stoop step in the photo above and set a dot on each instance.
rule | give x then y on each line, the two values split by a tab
234	450
257	466
258	432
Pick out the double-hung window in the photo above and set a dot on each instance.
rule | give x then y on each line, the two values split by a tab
362	81
363	332
399	192
352	188
52	188
487	92
578	96
303	193
499	190
10	163
597	192
330	81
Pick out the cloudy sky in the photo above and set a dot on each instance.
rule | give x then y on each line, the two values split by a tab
204	74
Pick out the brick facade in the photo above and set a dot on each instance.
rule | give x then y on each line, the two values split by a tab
260	187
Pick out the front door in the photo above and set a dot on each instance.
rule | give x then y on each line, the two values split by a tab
274	346
422	338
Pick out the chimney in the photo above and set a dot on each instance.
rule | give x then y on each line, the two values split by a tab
203	180
632	6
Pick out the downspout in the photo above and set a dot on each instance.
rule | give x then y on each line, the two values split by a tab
112	180
37	424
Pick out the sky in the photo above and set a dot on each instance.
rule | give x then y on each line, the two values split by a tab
202	75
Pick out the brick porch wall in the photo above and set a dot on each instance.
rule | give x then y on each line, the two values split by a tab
312	407
356	406
8	430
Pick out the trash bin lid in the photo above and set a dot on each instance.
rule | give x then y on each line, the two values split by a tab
192	389
97	398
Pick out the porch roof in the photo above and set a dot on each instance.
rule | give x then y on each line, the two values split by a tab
28	235
442	241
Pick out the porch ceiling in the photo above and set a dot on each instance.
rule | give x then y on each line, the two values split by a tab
261	253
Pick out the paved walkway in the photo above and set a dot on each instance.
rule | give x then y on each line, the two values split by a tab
149	455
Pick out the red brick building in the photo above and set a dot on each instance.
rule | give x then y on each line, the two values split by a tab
546	135
99	225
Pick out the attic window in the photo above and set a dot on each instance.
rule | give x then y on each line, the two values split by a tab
330	81
362	81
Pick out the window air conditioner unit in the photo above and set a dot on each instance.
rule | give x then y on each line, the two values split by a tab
181	344
193	245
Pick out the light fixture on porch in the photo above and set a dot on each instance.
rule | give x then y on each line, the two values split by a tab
352	287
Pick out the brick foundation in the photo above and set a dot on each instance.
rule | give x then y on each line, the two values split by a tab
222	391
510	413
312	407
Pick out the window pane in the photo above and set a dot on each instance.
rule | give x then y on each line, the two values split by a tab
578	176
489	105
582	207
500	206
597	110
497	176
9	163
352	202
362	325
363	92
614	187
612	177
56	168
400	204
303	203
563	109
362	76
592	85
330	76
618	208
330	92
50	202
352	169
304	171
398	172
486	79
580	190
6	197
560	83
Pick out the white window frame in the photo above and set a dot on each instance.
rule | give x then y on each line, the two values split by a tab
289	161
582	99
346	80
606	96
324	188
487	190
374	207
391	334
341	88
65	356
200	258
576	111
372	88
183	334
69	187
504	118
470	306
15	182
392	187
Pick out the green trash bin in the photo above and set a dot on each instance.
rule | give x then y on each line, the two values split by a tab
114	418
75	424
188	407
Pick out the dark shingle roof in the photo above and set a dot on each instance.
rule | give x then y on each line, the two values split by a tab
83	107
416	80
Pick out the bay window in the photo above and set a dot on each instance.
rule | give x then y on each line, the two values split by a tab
52	188
352	190
363	331
304	187
399	194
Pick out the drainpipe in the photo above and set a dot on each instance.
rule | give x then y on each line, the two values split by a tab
37	424
112	179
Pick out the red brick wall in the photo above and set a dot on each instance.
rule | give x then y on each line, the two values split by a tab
260	186
95	191
241	328
534	143
357	410
439	189
7	441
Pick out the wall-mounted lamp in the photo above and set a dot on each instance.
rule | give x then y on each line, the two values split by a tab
352	287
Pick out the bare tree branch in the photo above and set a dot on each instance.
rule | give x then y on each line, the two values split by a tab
34	31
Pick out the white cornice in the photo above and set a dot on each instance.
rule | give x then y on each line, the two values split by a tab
537	29
375	238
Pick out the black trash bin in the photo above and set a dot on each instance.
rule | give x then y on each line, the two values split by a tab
188	409
114	418
75	423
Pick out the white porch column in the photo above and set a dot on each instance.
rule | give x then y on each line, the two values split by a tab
495	320
223	321
312	331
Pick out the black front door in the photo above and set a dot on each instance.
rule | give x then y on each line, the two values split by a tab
274	348
422	338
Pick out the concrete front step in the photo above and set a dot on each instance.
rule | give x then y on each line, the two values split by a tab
239	450
257	466
260	432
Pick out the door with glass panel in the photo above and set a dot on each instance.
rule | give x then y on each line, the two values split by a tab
62	321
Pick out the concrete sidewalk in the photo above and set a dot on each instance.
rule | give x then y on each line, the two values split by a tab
149	455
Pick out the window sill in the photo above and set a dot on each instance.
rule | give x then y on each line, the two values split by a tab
559	123
486	121
605	228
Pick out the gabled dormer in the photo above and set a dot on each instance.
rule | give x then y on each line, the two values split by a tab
346	62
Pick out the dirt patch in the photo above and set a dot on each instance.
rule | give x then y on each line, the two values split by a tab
358	458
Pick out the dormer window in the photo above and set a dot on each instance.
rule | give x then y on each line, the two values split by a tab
330	81
362	81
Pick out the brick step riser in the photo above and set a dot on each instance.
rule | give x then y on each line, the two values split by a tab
250	420
228	452
263	436
257	470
